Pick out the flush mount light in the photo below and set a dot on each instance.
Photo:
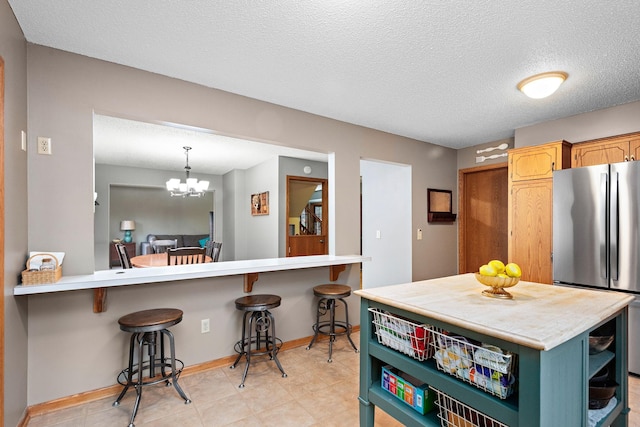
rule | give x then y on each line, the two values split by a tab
542	85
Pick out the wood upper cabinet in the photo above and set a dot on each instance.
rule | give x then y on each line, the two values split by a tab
603	151
538	162
531	207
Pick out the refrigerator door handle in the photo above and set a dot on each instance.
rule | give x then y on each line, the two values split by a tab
613	230
604	185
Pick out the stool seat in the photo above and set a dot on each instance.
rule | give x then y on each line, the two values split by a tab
152	320
257	302
332	291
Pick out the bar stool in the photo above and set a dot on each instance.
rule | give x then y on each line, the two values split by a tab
144	327
329	295
259	319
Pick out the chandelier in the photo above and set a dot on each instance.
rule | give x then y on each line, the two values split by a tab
192	187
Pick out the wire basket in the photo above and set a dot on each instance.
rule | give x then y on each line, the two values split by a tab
484	366
402	334
453	413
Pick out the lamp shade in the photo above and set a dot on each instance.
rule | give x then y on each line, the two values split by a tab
127	225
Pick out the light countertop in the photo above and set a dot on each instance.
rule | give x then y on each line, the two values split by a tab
539	316
138	276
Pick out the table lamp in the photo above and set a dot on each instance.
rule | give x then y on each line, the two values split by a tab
127	226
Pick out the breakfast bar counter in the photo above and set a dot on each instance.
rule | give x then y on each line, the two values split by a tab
544	327
100	281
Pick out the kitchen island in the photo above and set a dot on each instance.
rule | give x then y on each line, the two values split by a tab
544	327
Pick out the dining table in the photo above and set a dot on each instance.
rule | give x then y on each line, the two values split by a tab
155	260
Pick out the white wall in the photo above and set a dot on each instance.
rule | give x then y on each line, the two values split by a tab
386	209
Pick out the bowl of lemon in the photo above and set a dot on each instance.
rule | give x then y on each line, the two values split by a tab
497	276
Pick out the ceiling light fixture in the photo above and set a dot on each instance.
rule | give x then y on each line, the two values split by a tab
191	187
542	85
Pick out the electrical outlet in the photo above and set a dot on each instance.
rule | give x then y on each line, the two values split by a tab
44	145
204	326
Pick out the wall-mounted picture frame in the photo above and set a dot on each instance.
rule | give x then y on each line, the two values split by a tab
260	204
440	206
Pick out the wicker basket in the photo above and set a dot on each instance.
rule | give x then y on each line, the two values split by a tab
41	277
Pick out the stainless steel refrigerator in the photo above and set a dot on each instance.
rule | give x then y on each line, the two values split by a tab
596	235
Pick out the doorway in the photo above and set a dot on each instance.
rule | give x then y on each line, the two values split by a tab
307	216
386	216
483	215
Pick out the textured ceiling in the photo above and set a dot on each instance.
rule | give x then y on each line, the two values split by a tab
438	71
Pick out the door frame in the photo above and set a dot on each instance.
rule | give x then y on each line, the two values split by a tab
462	214
2	252
325	209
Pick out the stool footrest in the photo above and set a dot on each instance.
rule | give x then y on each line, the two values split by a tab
267	349
344	328
159	364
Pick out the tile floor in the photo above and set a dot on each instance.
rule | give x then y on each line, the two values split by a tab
315	393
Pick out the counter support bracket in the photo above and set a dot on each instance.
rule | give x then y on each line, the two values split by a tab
99	300
251	278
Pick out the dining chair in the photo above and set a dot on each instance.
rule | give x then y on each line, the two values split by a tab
125	261
180	256
161	246
213	250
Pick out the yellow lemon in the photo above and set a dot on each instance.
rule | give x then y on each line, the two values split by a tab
488	270
513	269
497	264
502	275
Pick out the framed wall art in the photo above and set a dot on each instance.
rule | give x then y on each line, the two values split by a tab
260	203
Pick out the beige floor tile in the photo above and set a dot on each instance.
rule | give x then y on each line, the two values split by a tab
224	411
314	393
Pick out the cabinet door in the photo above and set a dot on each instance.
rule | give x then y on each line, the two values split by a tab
634	149
536	162
599	153
530	229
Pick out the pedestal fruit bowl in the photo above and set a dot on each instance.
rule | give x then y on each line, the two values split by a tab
496	285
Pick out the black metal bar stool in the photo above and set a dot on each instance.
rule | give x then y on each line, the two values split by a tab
148	328
329	295
258	318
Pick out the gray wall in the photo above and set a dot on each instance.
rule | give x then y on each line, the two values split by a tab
77	86
13	50
467	156
582	127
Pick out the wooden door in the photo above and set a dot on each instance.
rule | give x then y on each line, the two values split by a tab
307	216
530	234
483	216
599	153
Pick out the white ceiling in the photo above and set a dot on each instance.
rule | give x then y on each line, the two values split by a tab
438	71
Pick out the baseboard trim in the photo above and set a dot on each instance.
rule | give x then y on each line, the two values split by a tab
93	395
